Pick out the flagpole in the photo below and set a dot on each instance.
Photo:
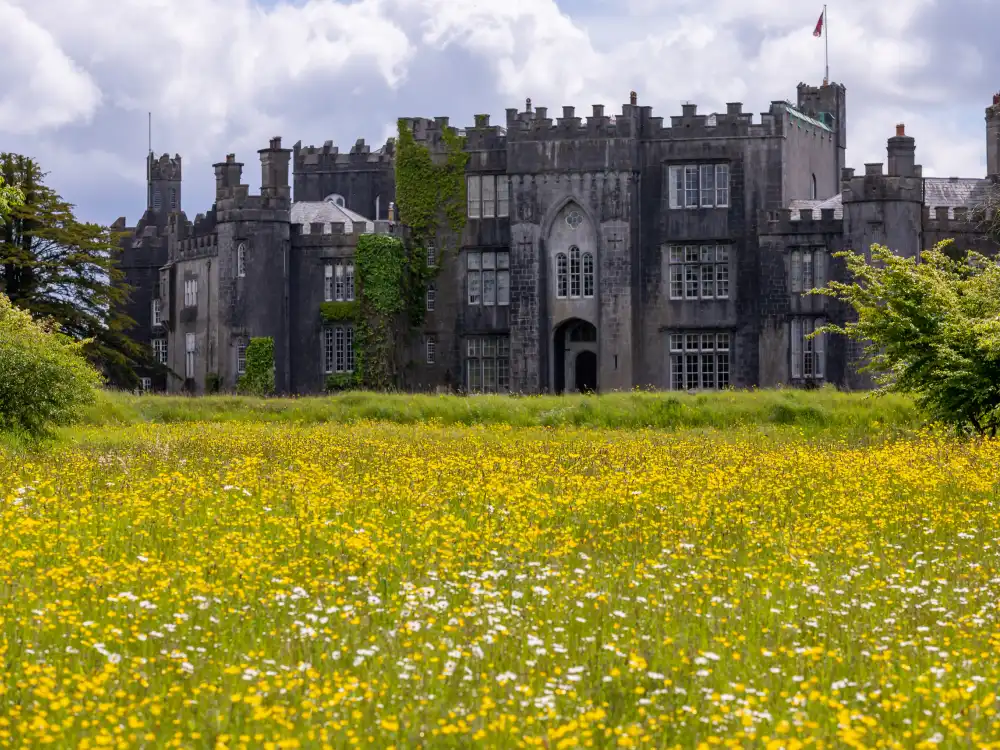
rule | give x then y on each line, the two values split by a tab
826	38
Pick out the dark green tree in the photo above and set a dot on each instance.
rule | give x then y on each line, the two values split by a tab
61	269
10	198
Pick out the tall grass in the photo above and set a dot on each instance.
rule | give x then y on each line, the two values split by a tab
824	409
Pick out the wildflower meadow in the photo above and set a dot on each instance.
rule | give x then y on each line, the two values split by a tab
225	585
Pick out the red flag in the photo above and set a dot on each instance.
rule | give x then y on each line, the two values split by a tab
818	31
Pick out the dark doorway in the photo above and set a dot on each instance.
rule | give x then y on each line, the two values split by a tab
568	338
586	372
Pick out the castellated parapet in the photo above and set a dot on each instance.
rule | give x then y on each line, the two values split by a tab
329	157
801	221
165	168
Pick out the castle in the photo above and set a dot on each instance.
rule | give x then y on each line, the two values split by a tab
599	253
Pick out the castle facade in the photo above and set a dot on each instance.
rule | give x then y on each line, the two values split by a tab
599	253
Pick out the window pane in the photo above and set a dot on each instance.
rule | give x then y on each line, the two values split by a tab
489	347
707	185
691	254
676	282
676	342
722	253
691	187
473	194
708	281
691	342
691	371
503	260
676	254
489	287
722	367
562	275
503	288
349	345
675	185
691	282
489	260
722	342
574	272
707	253
489	196
722	281
707	342
473	261
722	185
474	280
677	372
708	371
807	271
503	196
588	275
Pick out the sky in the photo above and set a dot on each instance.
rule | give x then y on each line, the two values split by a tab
222	76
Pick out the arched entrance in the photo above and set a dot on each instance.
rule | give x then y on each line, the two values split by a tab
575	357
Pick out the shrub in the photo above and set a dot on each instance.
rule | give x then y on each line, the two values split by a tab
44	379
259	377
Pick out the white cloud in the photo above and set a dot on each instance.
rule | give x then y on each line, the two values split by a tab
225	75
43	88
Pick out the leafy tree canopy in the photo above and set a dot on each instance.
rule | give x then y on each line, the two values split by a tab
931	328
65	270
10	198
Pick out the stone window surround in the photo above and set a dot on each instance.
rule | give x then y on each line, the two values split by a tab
698	271
807	355
699	360
488	196
337	348
487	364
698	185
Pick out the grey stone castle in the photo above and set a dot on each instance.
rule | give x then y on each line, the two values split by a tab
600	253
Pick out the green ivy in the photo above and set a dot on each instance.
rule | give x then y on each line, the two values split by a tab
431	195
381	264
336	312
258	380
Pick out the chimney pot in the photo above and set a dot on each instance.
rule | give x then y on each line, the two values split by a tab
900	130
633	98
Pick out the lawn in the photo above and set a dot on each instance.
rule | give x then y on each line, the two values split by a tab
276	584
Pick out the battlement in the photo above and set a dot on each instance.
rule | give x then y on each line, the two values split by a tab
203	245
165	167
801	221
639	122
948	219
329	228
328	157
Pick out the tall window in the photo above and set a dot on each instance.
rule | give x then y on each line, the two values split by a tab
808	353
160	350
488	278
698	186
157	312
241	356
157	201
487	364
338	281
431	296
431	349
698	271
807	269
699	361
241	260
191	293
145	384
338	349
575	274
189	355
488	196
173	199
431	254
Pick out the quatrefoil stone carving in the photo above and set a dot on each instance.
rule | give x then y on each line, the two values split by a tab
574	219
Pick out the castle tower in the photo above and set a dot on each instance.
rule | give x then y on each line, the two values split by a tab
163	185
828	104
993	138
886	209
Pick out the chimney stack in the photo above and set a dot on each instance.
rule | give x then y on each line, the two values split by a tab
902	153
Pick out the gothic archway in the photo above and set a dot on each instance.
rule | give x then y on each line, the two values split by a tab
575	357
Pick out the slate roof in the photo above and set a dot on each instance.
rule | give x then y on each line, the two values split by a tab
954	192
816	206
327	212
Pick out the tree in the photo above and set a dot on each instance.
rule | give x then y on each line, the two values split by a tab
931	329
62	269
10	198
44	379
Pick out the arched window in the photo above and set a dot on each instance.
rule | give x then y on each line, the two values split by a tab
561	281
173	199
337	200
157	201
574	271
241	260
588	275
814	190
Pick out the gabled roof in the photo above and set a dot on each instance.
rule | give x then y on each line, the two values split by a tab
954	192
328	212
835	203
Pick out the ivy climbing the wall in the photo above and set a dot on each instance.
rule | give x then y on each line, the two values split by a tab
258	380
430	195
381	264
